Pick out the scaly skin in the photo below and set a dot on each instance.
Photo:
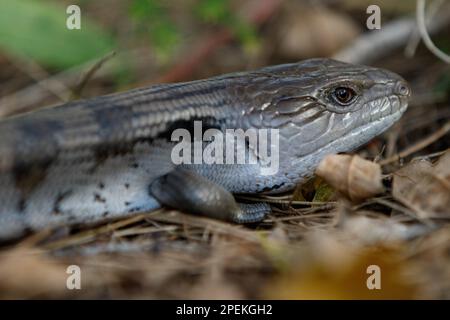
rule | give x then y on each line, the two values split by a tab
91	160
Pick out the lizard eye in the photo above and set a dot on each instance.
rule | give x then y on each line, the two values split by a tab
343	95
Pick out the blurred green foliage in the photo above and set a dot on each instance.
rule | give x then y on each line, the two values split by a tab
37	29
219	12
324	192
214	11
153	16
443	84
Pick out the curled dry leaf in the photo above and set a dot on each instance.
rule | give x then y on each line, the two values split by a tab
353	176
425	187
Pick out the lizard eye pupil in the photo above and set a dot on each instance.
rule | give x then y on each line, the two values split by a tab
343	95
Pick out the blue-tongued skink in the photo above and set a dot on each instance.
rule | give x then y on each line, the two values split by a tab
107	157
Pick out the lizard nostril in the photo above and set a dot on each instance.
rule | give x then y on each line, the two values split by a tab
402	88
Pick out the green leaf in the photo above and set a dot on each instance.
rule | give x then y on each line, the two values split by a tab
214	11
165	37
37	29
163	33
144	9
247	34
443	85
324	192
219	12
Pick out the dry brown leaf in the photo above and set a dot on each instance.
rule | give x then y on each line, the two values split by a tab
424	187
353	176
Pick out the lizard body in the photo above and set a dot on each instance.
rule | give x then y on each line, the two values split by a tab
110	156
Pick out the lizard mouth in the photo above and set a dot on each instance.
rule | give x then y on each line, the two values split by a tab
387	110
380	120
382	113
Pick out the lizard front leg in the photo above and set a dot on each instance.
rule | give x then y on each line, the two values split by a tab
187	191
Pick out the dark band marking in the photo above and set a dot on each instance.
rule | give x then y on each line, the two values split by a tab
135	209
207	123
21	205
61	196
27	178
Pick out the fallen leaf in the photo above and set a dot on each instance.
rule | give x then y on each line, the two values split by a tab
424	187
355	177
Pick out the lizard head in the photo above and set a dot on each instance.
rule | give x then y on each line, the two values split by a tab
323	106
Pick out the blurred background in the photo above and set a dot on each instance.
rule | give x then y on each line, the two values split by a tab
166	41
312	254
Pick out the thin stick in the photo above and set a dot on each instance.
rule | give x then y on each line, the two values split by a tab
420	14
138	231
89	235
419	145
371	46
308	216
88	75
414	40
42	78
212	225
282	201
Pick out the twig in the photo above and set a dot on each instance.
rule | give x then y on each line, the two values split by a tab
420	13
374	45
213	225
299	217
399	208
41	76
30	97
89	235
419	145
137	231
76	93
414	39
283	201
431	155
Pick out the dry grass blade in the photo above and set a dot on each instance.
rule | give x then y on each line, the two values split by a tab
285	200
141	231
90	235
210	224
419	145
425	187
77	92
